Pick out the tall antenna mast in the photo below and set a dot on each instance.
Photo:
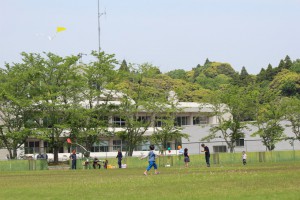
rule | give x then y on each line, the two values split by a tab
99	15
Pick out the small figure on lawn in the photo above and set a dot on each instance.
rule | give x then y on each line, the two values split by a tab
96	163
186	157
119	156
105	164
151	159
244	158
74	159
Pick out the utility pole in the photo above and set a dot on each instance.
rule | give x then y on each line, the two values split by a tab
99	16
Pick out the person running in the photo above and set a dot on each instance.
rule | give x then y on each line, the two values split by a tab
207	154
186	157
151	159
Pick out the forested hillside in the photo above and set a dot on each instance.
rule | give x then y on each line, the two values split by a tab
43	95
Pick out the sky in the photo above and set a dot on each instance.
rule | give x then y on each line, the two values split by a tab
169	34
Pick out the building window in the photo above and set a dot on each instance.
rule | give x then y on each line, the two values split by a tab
118	122
47	148
159	121
240	142
119	144
32	147
200	120
143	147
221	148
144	119
181	121
102	119
101	146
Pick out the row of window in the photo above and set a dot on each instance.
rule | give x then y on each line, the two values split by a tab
33	147
103	146
159	121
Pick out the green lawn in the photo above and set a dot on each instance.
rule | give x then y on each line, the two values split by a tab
233	181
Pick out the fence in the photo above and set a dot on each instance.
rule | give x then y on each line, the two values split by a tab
197	160
23	165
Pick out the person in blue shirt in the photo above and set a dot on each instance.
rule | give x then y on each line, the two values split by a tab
151	159
74	159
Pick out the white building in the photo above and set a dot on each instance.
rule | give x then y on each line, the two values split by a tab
248	143
196	120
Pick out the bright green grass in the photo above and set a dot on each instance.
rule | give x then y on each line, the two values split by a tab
234	181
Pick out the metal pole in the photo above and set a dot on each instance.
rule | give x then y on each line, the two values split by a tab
99	47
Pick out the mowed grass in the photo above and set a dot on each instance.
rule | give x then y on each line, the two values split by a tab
253	181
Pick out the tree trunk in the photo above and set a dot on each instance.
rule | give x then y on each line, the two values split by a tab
14	154
130	151
55	152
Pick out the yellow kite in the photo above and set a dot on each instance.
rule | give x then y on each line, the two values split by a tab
59	29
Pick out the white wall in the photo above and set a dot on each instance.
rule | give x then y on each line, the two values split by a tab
198	132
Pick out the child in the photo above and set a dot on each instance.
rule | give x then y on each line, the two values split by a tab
244	157
186	157
151	160
96	163
105	164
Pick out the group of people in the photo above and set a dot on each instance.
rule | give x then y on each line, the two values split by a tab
207	156
96	162
151	159
152	156
187	157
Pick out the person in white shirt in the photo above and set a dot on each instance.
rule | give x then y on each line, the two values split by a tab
244	157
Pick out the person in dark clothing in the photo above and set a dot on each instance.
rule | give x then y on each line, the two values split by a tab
207	154
74	159
96	163
119	156
105	164
186	157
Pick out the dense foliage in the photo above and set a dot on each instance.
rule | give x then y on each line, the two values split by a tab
43	95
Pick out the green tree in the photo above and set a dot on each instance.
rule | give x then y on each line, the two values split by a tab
136	100
178	74
98	81
167	131
269	73
291	108
56	89
287	82
124	66
15	107
215	68
280	66
268	122
287	62
232	101
296	66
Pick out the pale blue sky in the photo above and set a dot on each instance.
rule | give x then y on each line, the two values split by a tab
170	34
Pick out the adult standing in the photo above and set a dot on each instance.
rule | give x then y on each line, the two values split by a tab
74	159
119	156
207	154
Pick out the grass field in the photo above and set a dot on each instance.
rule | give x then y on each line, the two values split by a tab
253	181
